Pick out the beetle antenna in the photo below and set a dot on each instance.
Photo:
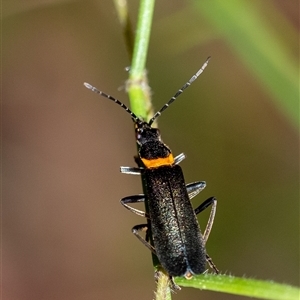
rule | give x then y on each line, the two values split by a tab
179	92
95	90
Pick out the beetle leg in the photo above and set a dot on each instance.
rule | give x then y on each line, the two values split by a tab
179	158
210	201
195	188
143	227
211	264
134	199
131	170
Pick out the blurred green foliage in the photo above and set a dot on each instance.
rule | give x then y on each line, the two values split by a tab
259	43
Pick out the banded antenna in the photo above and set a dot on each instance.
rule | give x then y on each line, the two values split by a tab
179	92
157	114
95	90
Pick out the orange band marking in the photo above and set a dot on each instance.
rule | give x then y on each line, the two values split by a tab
158	162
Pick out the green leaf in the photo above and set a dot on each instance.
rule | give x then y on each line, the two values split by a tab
241	286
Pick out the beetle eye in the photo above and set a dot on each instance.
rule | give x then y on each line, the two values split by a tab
139	133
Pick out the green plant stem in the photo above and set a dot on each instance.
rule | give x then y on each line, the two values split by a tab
163	291
242	286
139	91
140	102
137	86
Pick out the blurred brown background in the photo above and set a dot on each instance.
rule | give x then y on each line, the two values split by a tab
65	235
